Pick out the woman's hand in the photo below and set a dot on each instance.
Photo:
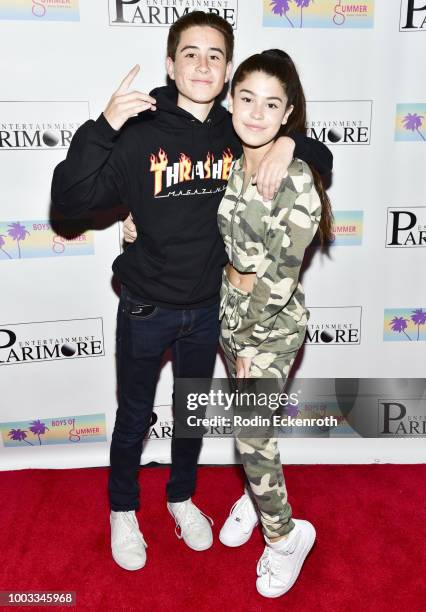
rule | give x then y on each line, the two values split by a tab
273	167
129	229
242	366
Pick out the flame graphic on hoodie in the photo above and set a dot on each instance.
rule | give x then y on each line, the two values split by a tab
187	170
227	158
158	165
185	167
208	165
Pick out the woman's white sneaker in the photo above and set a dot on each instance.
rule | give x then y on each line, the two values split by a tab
239	525
127	543
281	562
192	525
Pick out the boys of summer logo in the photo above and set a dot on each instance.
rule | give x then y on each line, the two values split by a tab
168	175
155	13
318	14
347	229
404	325
410	123
58	430
31	239
42	10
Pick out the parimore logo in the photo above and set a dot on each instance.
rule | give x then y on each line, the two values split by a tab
29	126
406	227
402	417
413	16
340	122
157	13
337	325
41	341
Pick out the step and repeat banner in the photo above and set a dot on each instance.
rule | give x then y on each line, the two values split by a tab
361	66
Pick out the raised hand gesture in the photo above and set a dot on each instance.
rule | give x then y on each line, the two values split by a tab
124	103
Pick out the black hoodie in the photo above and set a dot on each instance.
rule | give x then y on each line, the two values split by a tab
171	170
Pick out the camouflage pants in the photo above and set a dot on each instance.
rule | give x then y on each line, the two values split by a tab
260	455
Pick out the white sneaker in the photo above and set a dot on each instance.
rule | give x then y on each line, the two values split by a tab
239	525
191	524
127	543
281	562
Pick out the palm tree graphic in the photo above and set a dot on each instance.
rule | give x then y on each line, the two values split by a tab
38	428
418	318
399	324
302	4
20	435
18	232
413	122
281	7
2	243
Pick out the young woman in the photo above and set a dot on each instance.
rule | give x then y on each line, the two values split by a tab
263	315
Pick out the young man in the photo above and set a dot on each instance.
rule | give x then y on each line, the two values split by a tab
170	167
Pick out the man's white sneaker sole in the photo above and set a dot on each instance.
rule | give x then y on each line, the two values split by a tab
127	567
199	548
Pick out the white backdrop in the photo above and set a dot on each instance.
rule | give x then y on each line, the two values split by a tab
59	64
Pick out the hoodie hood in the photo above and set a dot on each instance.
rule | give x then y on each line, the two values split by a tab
170	114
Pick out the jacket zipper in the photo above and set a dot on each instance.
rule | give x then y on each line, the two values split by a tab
232	224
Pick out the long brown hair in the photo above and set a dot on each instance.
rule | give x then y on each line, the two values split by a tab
279	64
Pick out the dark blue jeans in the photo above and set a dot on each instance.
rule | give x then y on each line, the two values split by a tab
144	333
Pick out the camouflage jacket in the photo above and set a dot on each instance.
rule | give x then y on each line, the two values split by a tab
269	238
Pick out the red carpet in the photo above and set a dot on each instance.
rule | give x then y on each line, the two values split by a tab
370	552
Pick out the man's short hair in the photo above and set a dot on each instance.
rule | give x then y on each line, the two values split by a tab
200	18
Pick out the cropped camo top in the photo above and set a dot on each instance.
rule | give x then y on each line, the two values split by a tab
270	239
